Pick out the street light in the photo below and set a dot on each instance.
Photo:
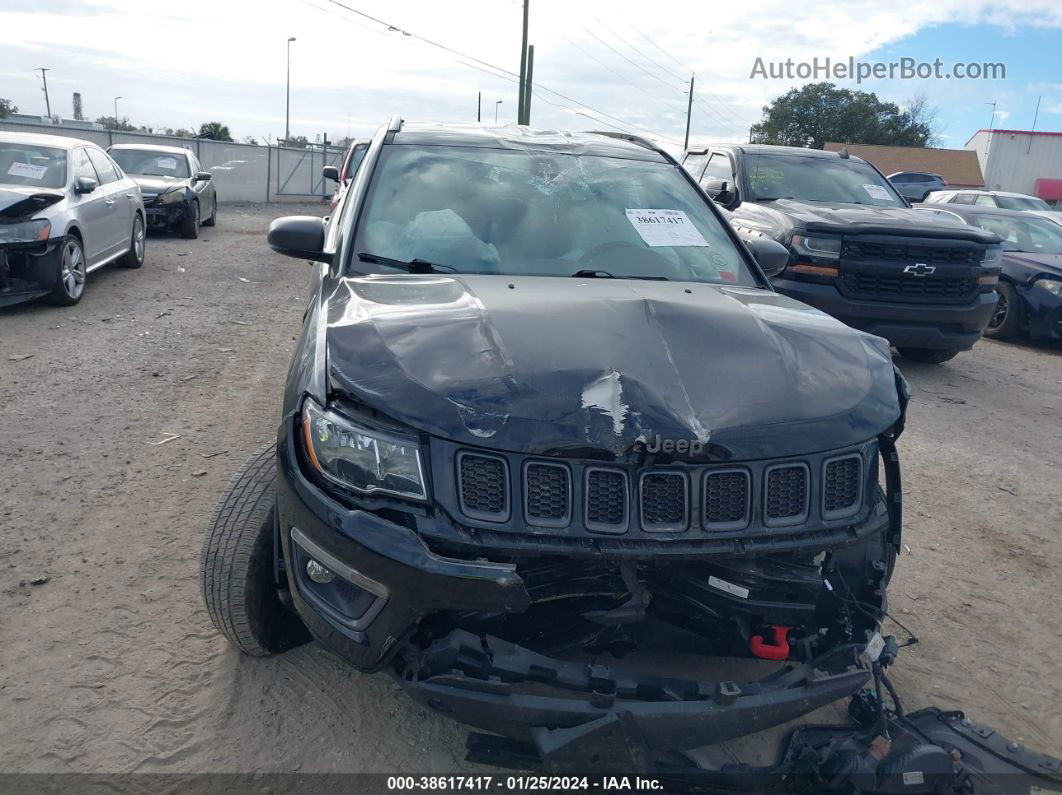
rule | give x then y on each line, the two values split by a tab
496	104
287	106
116	111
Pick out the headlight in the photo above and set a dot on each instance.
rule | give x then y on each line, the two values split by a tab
25	232
171	197
363	459
993	254
818	246
1053	286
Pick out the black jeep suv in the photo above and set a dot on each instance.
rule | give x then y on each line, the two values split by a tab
857	249
546	402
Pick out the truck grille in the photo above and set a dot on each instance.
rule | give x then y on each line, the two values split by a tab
664	501
903	252
606	500
842	485
786	497
906	288
726	499
547	494
484	488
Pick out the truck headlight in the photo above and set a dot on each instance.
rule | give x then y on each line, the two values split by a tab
818	246
26	231
1053	286
993	254
364	459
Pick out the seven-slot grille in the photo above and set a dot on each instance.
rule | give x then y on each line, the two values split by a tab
905	287
842	486
904	252
606	500
664	501
662	497
483	486
547	494
786	494
726	499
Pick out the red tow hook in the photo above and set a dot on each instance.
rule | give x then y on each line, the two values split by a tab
778	650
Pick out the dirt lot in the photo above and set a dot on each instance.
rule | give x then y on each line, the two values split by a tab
112	665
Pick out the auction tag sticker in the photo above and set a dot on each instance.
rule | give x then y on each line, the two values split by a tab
729	587
877	192
26	170
874	647
665	228
167	162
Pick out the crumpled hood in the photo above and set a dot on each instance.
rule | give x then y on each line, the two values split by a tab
150	184
1026	264
545	365
19	202
859	217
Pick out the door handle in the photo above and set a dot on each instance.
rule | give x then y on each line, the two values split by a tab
109	202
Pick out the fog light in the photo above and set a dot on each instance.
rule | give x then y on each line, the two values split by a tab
318	573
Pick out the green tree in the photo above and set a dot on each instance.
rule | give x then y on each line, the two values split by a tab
214	130
7	107
112	123
811	115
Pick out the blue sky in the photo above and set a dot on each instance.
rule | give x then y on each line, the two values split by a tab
599	63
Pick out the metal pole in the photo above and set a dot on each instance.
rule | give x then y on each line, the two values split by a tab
116	111
287	100
689	112
527	89
1036	115
479	106
44	77
523	69
496	104
988	145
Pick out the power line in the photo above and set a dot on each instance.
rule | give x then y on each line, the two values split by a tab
646	57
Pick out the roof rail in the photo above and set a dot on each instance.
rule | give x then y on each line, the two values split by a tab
634	139
395	125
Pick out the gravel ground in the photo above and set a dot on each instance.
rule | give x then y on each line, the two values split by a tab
111	665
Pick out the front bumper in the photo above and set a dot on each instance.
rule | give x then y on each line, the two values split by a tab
167	216
942	327
23	276
1043	310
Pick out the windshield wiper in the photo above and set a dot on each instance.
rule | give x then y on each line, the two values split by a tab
593	273
416	265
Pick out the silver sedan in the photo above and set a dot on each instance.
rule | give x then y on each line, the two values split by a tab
66	209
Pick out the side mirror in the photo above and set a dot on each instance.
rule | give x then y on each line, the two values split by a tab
772	257
721	192
203	176
85	185
330	172
299	236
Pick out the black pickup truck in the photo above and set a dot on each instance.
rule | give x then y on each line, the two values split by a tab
857	249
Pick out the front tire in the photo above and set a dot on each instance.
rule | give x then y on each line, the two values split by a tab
236	564
66	269
927	355
134	257
1009	315
190	222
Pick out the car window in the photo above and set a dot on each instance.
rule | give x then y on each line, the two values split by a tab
963	198
719	167
356	156
543	213
900	178
83	166
29	164
984	200
694	163
820	179
149	163
103	165
1022	203
1024	233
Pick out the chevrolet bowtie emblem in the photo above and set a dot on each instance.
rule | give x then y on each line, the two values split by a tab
920	269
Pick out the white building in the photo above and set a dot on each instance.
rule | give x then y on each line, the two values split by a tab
1022	161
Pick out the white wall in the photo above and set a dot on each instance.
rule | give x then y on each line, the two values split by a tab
1014	161
240	172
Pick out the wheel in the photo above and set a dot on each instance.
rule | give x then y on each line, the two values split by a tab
134	257
213	219
190	222
236	564
65	267
927	355
1009	314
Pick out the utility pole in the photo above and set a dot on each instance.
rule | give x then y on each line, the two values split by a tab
116	112
496	104
523	69
527	87
988	146
1036	115
287	101
689	112
479	106
44	77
